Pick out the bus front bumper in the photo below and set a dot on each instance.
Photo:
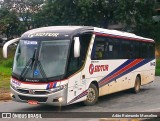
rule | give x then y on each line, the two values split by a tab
56	99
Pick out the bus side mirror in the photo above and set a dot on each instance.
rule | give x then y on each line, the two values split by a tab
76	47
6	46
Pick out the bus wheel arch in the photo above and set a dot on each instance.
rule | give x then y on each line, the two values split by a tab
93	94
96	84
138	75
137	84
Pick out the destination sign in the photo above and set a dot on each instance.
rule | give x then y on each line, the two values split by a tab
43	35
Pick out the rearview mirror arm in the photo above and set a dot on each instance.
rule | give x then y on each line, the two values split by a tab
5	47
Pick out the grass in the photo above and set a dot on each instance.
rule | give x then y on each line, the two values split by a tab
4	82
5	69
158	67
5	73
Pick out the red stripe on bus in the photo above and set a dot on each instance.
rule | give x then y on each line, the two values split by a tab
51	85
123	37
36	83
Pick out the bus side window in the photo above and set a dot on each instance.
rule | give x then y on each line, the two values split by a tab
114	48
135	49
99	51
109	47
144	50
126	49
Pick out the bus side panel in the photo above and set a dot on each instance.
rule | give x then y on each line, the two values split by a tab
76	89
146	77
94	72
122	83
147	72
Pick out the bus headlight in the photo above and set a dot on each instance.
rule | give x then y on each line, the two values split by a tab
60	99
14	87
61	87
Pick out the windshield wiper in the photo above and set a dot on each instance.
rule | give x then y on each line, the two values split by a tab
42	70
37	62
33	62
30	62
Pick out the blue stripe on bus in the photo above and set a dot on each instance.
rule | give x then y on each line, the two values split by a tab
54	84
48	85
79	96
117	69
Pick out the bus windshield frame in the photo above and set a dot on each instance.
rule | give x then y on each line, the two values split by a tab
44	60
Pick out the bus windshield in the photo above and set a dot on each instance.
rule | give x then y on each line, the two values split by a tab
41	59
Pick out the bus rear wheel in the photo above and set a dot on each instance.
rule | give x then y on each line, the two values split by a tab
92	96
137	85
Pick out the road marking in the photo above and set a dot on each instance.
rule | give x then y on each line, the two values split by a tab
155	109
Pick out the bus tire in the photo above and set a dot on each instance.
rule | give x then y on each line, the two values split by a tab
92	96
137	85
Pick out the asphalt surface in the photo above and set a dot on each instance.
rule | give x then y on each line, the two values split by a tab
147	100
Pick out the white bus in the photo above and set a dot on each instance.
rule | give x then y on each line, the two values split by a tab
62	65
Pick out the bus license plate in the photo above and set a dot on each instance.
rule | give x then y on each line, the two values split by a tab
32	102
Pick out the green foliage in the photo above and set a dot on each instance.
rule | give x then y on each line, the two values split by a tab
5	71
158	63
158	67
150	31
5	74
158	72
125	11
9	23
19	16
136	13
8	63
72	12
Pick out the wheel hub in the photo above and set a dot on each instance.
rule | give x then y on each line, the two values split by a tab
91	95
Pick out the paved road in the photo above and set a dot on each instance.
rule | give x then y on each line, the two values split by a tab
147	100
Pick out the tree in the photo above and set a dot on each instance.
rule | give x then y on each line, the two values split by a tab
9	23
135	13
19	17
76	12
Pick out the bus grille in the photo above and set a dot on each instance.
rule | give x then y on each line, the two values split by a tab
39	99
36	92
23	91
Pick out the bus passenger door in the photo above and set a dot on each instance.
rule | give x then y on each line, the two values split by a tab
75	86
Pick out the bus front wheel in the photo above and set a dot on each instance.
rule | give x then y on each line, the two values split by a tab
137	85
92	96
